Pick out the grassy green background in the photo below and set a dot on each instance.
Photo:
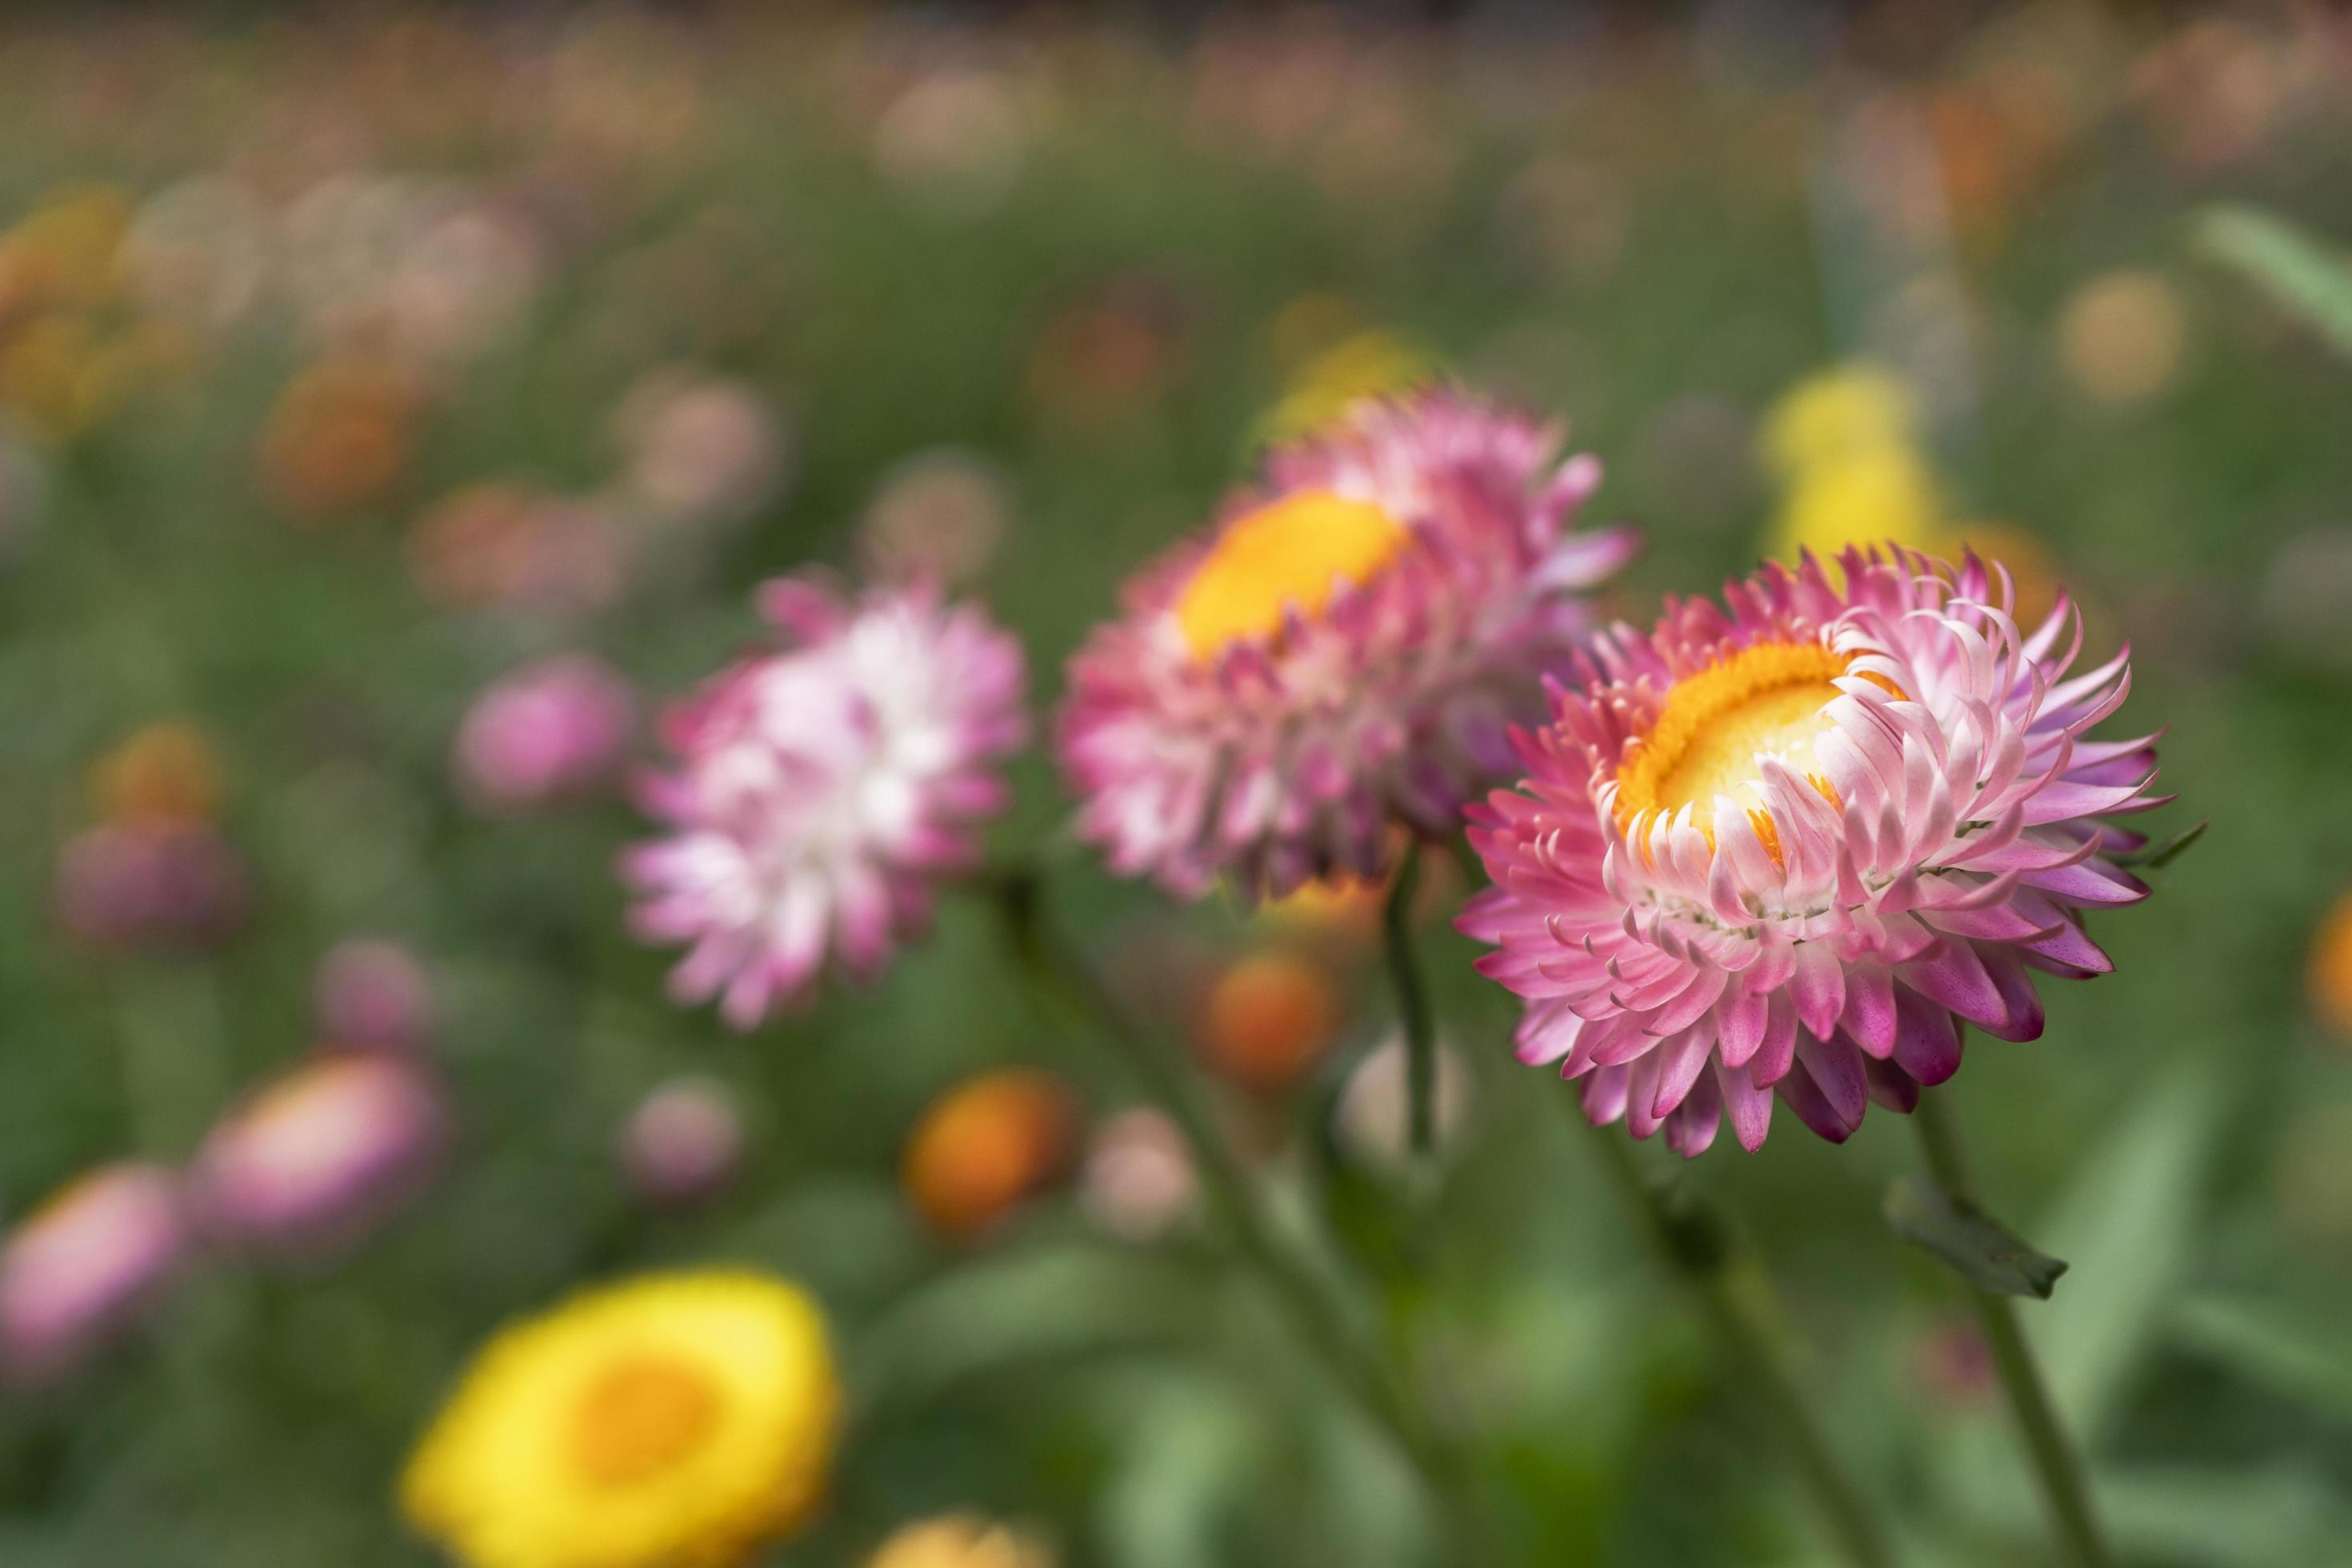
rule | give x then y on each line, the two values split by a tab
2178	1135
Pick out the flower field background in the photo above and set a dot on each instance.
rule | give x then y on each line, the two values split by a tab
397	418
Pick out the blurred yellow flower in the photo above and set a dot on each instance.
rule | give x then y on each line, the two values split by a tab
67	250
165	773
1327	906
672	1421
1364	364
2330	974
959	1541
1846	411
1846	445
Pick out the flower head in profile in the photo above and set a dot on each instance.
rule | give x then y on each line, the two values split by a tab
1792	844
822	788
314	1162
1346	649
85	1265
672	1421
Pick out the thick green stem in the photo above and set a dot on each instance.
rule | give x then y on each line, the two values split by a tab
1412	1007
1694	1247
2056	1467
1067	989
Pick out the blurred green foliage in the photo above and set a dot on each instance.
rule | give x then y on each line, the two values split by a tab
1095	269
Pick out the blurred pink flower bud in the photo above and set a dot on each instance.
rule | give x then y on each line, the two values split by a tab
372	993
85	1265
1138	1180
542	733
150	884
683	1144
308	1167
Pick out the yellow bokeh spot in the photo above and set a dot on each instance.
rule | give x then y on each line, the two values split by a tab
1293	551
1837	414
641	1416
1770	699
959	1541
1863	497
1363	365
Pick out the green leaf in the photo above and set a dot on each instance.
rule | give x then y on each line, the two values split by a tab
2162	855
2133	1223
1985	1253
2291	1352
2312	280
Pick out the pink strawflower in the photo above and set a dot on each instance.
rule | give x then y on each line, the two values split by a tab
317	1159
372	994
125	886
1791	845
85	1265
1346	649
822	790
683	1144
544	732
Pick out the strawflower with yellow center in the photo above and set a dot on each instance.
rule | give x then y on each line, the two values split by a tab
1789	847
673	1421
1343	654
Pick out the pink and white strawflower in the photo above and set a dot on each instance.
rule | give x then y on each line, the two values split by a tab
1792	844
83	1266
1345	650
823	789
544	732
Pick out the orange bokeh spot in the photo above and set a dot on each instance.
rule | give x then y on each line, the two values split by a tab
1269	1018
986	1146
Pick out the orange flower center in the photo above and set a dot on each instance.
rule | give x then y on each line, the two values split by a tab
1769	699
643	1415
1293	551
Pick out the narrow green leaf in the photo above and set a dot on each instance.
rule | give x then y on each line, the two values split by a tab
2306	277
2132	1221
2293	1354
2158	857
1987	1253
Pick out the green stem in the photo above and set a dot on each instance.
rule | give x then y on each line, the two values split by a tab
1067	989
1694	1246
1412	1006
2056	1467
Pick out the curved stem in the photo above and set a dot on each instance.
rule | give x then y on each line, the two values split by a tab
1067	988
2056	1467
1412	1006
1692	1246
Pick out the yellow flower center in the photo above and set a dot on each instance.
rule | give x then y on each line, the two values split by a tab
1295	551
640	1417
1769	698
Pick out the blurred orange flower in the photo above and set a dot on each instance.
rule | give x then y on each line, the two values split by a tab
986	1146
339	436
1269	1018
2330	974
166	773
